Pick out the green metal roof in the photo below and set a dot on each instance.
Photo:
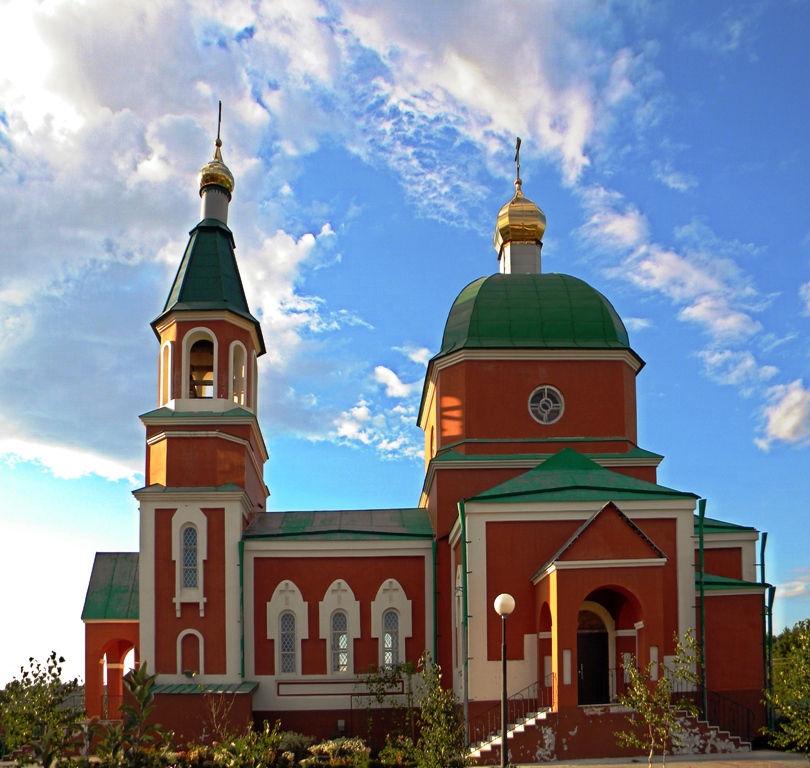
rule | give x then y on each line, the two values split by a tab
342	525
710	525
208	277
187	689
113	590
169	413
159	488
570	476
713	583
532	311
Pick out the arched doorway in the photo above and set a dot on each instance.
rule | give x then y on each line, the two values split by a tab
593	655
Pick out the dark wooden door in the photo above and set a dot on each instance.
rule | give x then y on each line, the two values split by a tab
592	667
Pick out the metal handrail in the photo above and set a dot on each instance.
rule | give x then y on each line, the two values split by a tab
520	706
721	711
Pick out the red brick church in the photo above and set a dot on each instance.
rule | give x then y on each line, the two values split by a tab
534	486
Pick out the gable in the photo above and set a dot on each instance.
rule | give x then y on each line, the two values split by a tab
610	535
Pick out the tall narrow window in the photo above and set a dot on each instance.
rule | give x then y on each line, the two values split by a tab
190	572
201	369
340	642
390	639
287	638
238	374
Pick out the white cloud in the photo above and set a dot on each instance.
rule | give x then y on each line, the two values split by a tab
393	386
65	462
804	295
419	355
798	586
638	323
787	416
736	368
680	182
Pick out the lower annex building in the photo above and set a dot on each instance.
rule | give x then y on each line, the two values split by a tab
534	485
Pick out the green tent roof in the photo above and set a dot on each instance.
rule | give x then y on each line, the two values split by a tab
113	590
208	277
570	476
345	525
532	311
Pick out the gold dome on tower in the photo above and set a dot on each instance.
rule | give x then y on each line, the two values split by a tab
216	172
519	221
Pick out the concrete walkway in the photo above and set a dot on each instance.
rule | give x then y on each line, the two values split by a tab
759	759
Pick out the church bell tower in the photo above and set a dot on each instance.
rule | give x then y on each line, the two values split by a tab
204	454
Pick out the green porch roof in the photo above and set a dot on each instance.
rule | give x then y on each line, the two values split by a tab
714	583
208	277
532	311
570	476
113	590
710	525
190	689
342	525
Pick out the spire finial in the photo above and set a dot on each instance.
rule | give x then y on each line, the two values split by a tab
518	181
219	125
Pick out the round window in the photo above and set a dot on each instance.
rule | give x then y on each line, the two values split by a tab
546	404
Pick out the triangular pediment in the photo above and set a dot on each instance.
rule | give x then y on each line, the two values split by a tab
608	536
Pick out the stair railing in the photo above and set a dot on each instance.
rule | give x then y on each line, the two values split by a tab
721	711
537	697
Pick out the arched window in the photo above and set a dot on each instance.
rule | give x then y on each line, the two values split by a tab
340	642
288	644
190	568
201	369
238	374
390	638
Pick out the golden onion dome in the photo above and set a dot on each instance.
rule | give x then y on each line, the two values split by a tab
216	172
519	221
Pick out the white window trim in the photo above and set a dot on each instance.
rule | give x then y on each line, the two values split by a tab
201	640
231	360
287	598
164	398
180	520
194	335
391	595
339	597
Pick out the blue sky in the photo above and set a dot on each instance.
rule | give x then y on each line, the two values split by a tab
372	146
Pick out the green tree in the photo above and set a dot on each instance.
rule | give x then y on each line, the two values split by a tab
791	689
441	739
133	743
654	719
39	713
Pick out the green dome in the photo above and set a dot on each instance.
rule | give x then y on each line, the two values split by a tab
531	311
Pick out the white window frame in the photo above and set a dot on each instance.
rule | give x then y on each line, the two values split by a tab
166	363
201	641
287	598
237	395
182	518
191	338
339	597
391	595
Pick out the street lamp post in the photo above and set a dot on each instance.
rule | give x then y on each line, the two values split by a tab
504	605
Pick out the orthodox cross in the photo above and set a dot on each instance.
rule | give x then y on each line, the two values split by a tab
517	158
286	592
390	590
219	123
340	590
